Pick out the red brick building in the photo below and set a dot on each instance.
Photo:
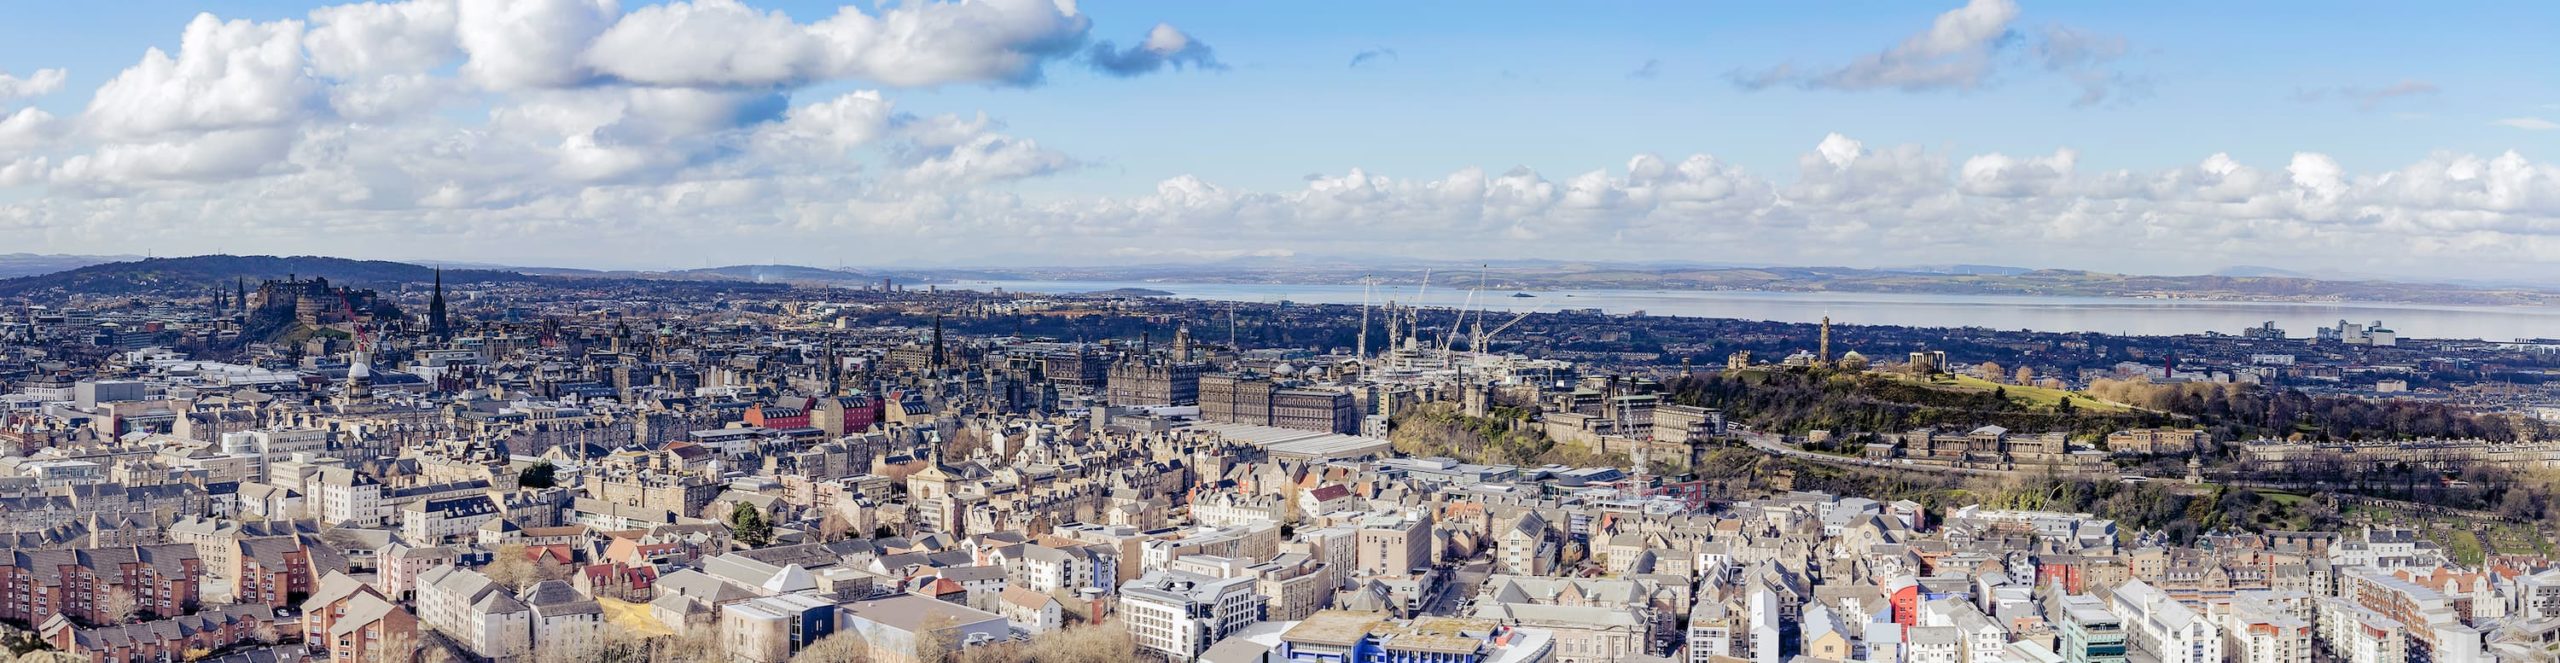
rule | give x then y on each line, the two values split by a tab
166	639
273	572
778	417
159	581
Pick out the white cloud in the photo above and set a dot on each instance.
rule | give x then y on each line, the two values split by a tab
2003	176
226	75
374	38
1963	50
2528	123
923	44
40	83
1955	52
23	171
217	155
496	127
1851	202
24	130
518	44
710	42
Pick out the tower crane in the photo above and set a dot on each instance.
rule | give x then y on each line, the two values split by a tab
1484	337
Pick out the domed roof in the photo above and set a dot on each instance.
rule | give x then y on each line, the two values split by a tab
1852	354
1284	368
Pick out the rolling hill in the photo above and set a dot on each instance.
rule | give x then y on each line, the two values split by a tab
205	273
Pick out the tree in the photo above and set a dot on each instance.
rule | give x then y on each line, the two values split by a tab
540	475
396	646
119	607
747	525
936	641
512	568
2025	376
698	643
842	647
1992	371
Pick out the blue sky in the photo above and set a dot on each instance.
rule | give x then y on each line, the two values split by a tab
1562	89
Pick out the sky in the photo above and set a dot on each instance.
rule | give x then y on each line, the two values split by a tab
2336	138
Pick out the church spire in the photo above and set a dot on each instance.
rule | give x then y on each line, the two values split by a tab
438	325
938	344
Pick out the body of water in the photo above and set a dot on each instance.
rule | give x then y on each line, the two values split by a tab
2110	315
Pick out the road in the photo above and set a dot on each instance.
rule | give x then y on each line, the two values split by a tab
1776	444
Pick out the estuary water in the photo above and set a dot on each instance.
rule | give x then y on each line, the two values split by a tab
2110	315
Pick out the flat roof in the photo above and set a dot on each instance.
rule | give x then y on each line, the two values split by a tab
1302	443
1333	627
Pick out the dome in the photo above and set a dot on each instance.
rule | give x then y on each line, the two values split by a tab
1284	369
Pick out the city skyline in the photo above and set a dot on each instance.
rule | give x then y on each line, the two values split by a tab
2184	139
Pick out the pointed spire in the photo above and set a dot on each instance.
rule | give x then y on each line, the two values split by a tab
438	324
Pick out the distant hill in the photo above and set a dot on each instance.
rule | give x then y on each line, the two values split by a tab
1926	280
204	273
2257	271
776	274
13	265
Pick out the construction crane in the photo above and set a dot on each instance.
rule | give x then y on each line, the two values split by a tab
1450	340
1367	284
1483	337
1413	316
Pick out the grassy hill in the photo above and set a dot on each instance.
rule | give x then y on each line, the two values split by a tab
2030	396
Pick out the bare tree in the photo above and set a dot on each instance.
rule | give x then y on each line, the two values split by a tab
119	607
2026	375
937	640
1107	642
512	568
697	643
266	633
842	647
396	646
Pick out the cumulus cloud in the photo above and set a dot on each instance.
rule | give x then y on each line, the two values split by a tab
1163	46
1848	201
2003	176
726	43
24	130
348	41
947	152
565	92
226	75
520	44
40	83
496	127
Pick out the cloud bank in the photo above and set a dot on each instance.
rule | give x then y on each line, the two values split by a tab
574	132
